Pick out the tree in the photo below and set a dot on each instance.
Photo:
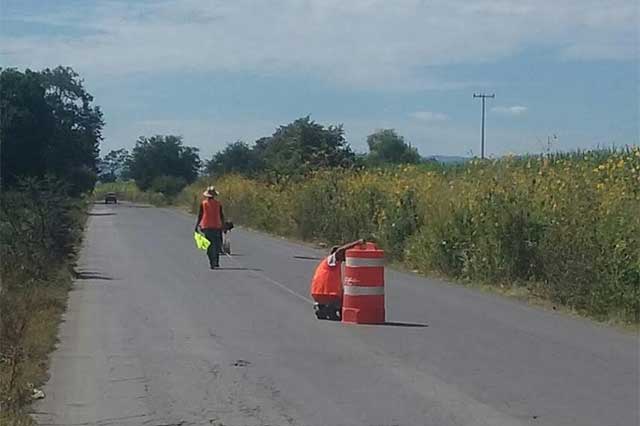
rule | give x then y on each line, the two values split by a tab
386	146
237	157
162	156
48	127
302	146
78	130
26	126
113	166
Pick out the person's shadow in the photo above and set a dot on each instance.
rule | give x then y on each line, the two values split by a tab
231	268
91	275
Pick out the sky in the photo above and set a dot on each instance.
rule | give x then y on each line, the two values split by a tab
564	72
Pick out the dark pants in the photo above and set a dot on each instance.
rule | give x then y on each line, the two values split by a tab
213	252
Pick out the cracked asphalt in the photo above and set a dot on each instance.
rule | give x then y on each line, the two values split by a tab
153	337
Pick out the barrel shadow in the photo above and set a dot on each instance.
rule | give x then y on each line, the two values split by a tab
392	324
404	324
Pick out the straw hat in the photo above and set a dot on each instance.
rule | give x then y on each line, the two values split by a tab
210	192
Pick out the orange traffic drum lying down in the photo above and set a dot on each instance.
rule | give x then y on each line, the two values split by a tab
363	301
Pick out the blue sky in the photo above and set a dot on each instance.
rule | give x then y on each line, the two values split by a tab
218	71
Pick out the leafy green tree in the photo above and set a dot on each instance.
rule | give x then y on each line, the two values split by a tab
78	131
162	156
237	157
26	126
387	147
49	127
114	165
302	146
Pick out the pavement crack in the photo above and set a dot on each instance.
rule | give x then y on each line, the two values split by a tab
114	420
241	363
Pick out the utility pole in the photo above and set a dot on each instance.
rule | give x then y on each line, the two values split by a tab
555	138
483	96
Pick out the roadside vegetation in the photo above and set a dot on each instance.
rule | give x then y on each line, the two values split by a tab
50	134
41	228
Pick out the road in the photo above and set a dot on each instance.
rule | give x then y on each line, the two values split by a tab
153	337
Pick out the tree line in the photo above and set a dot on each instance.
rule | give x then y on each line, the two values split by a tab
50	128
164	164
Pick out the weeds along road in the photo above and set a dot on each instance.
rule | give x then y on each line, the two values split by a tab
153	337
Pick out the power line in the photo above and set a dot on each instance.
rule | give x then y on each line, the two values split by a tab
483	96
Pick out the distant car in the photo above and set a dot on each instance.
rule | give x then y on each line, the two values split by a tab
110	197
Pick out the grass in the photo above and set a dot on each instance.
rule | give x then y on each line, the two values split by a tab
562	229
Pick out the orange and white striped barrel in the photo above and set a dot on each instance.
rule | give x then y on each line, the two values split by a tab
363	299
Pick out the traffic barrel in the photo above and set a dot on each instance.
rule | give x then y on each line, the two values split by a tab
363	297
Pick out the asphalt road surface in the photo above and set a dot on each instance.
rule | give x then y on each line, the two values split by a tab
153	337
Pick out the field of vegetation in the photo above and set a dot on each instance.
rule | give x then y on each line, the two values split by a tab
563	228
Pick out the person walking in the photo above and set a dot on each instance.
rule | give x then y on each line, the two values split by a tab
211	223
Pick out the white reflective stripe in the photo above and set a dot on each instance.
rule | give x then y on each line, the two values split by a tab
365	261
358	290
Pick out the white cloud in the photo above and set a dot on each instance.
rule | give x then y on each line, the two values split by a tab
515	110
429	116
360	43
